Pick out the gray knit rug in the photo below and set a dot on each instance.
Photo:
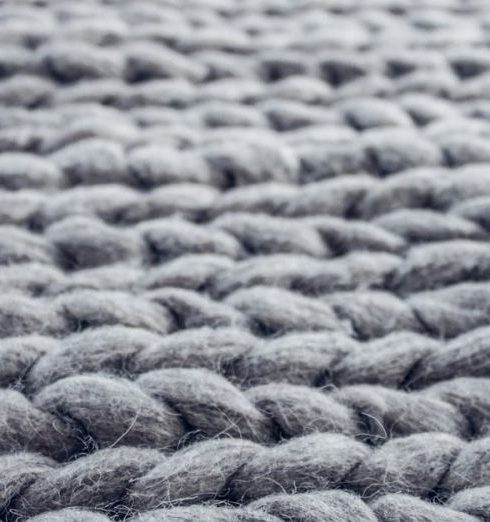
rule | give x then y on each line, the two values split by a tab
245	260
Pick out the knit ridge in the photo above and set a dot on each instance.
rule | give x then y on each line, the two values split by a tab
245	261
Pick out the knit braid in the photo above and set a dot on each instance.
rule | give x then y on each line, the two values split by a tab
245	261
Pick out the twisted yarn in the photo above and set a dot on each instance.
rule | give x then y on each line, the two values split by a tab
245	261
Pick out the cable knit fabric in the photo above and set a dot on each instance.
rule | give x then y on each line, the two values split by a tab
245	260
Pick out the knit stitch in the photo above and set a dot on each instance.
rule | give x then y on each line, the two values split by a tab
245	261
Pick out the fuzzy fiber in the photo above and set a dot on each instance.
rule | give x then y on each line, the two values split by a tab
245	260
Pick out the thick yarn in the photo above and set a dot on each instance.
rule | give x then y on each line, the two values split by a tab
245	261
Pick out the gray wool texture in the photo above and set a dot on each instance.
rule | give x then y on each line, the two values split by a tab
245	261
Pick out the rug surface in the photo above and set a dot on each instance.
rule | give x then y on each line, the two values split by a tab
245	260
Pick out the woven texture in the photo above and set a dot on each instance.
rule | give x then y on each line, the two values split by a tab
245	261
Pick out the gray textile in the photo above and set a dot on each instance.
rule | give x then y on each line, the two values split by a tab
245	260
